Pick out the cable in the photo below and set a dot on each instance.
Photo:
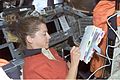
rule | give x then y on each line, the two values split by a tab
101	66
115	45
1	16
106	55
97	70
113	31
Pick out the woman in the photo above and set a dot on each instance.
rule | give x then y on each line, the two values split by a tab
42	62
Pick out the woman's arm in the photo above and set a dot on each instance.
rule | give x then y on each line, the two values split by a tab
75	57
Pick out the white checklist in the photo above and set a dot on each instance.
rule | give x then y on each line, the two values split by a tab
89	44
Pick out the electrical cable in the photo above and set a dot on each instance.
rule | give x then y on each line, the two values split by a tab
101	66
1	16
113	31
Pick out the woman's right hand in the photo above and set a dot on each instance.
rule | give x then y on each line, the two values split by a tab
3	62
75	56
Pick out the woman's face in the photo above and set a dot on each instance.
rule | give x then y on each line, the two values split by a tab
41	38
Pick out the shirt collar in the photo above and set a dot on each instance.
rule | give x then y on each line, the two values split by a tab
31	52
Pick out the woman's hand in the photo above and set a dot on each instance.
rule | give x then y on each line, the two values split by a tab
75	56
3	62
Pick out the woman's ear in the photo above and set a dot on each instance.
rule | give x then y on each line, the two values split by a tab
29	39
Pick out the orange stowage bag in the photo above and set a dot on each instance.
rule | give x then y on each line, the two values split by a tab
100	14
